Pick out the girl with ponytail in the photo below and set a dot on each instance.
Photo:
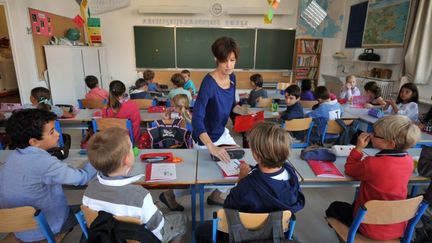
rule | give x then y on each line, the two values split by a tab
120	107
40	98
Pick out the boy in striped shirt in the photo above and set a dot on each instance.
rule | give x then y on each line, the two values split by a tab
113	191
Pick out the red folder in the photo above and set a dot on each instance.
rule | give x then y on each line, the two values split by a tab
325	169
156	109
247	122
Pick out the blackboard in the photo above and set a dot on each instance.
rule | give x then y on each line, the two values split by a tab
194	46
181	47
154	47
275	49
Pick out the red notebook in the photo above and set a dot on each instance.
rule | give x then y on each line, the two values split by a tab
247	122
160	172
325	169
230	170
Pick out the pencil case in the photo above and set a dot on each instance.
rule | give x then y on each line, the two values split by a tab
378	113
156	157
234	153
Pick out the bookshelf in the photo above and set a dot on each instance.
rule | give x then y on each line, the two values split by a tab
307	59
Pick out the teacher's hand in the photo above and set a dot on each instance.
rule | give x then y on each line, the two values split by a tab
219	152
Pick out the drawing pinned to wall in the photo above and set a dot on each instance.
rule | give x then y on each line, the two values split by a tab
386	23
41	23
330	27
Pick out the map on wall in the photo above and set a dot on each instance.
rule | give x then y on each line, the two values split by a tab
331	27
386	23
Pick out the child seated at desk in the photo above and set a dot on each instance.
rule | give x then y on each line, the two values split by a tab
139	91
306	90
178	81
327	109
113	191
120	107
30	176
425	121
349	90
148	75
40	98
270	186
189	84
384	176
95	93
257	92
406	103
373	91
294	110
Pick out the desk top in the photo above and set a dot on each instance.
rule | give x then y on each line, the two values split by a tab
86	115
209	172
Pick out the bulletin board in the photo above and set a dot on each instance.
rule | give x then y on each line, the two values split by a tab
58	27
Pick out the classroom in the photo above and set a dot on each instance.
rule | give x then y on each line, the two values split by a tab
354	75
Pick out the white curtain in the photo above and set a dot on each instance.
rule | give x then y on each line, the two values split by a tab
418	60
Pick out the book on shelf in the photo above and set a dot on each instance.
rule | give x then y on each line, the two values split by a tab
231	169
325	169
160	172
309	46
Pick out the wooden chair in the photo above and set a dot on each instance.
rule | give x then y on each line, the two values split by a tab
144	103
308	103
382	212
105	123
332	129
86	216
91	103
23	219
251	221
297	125
264	102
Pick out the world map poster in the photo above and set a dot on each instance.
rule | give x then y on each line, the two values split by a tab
386	23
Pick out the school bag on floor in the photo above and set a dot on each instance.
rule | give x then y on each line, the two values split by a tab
166	136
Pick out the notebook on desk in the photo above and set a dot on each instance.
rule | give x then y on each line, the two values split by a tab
325	169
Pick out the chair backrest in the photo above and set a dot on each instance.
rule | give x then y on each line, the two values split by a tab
251	221
296	125
143	103
308	103
334	128
90	215
23	219
101	124
91	103
391	212
264	102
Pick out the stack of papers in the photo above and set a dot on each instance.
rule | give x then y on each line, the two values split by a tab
161	172
231	169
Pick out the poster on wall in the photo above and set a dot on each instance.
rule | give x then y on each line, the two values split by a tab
41	23
94	31
386	23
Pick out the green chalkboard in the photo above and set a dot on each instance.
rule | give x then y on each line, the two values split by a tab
194	46
275	49
154	47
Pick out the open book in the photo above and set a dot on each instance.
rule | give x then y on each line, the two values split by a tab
160	172
231	170
325	169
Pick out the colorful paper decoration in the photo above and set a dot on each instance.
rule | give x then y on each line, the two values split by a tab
94	31
314	14
267	20
41	23
79	21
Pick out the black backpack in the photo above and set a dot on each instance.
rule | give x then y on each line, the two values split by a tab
62	152
348	133
169	136
106	229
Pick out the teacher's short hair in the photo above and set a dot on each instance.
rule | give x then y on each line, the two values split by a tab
223	47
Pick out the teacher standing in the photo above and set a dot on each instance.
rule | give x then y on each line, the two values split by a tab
215	101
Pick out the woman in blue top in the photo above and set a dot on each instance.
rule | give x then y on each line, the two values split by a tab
215	101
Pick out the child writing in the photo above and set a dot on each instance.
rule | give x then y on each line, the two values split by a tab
189	84
350	89
406	103
373	91
178	81
40	98
270	186
139	91
110	152
95	93
328	109
30	176
384	176
120	107
306	87
257	92
148	75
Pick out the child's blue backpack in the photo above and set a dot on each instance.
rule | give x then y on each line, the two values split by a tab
169	135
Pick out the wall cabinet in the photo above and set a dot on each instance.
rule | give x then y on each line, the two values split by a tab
67	67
